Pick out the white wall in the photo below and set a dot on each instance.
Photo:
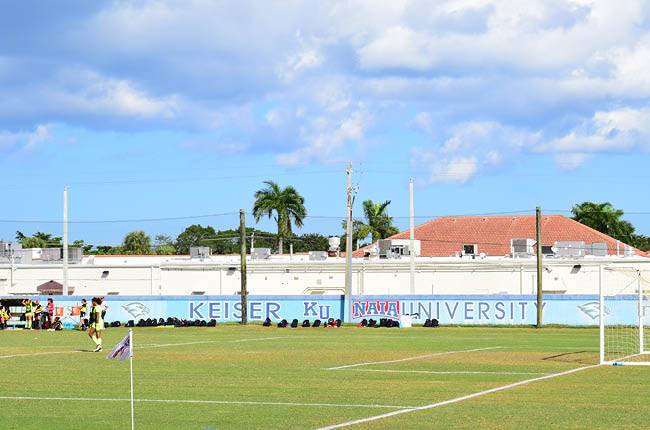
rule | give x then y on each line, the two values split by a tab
444	276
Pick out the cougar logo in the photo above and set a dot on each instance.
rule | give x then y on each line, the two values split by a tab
592	309
136	309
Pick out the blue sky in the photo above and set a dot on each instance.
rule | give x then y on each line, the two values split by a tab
162	109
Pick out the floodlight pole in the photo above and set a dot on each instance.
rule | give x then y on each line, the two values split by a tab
411	237
601	315
65	241
347	314
641	312
243	292
538	251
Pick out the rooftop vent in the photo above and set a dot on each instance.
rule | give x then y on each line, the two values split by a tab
522	248
567	248
317	255
260	253
199	252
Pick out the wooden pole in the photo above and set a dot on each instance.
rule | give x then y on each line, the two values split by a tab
243	292
538	251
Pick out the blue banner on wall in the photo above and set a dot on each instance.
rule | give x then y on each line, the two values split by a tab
450	309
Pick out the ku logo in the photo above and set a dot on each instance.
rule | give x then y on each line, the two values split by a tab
592	309
375	308
136	309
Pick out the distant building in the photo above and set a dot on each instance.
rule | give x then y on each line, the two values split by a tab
504	235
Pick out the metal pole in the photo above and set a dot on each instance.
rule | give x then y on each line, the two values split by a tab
538	246
65	241
348	250
243	292
131	366
601	314
412	237
641	310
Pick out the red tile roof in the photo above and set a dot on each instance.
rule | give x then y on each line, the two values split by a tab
443	237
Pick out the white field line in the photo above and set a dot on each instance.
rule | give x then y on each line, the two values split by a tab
455	400
210	402
37	353
199	342
149	346
450	372
417	357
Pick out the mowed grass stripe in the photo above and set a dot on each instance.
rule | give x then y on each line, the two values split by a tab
214	402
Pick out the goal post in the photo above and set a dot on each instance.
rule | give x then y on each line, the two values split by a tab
623	305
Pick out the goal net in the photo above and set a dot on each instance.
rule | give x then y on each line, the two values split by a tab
624	317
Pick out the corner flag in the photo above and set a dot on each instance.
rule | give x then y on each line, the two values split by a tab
122	351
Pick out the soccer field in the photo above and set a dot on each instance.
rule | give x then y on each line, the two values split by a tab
233	377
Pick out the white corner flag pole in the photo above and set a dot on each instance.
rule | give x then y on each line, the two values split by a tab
131	366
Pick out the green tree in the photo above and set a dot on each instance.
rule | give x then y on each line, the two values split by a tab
81	244
164	245
359	231
194	235
287	204
604	218
309	242
137	242
39	240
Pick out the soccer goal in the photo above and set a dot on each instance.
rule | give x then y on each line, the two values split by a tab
624	317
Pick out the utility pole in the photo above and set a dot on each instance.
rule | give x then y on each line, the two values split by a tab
347	314
538	251
243	293
412	236
65	241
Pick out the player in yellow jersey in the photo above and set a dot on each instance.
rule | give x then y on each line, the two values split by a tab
96	323
29	313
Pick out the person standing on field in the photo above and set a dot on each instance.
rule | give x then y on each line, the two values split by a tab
96	323
83	309
29	313
50	313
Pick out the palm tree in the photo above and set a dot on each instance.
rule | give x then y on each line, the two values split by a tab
378	223
604	218
137	242
288	205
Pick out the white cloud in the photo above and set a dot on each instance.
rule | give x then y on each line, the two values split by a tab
460	170
607	131
471	147
324	139
570	161
297	63
488	80
24	140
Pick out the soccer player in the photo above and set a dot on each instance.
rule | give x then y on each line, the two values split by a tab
29	313
50	313
82	314
96	323
4	317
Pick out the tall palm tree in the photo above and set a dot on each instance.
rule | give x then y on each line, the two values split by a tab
378	223
287	204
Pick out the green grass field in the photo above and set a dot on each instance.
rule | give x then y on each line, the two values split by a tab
233	377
